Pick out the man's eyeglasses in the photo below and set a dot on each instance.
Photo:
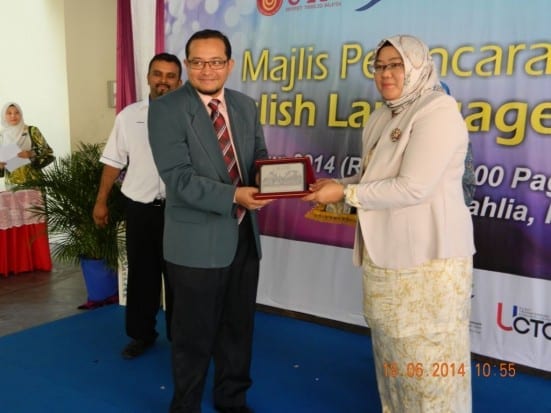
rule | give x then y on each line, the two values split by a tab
215	64
379	69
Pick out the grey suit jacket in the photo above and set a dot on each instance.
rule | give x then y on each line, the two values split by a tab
201	229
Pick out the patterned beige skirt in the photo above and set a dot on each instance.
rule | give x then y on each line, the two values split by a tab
419	321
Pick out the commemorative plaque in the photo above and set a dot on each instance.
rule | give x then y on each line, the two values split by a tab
284	177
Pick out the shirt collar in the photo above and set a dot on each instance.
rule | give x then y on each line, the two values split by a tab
207	98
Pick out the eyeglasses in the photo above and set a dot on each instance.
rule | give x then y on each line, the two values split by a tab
379	69
215	64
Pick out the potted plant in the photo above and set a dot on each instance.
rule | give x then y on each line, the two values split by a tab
69	186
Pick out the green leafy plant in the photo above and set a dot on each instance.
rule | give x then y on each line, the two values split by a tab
69	186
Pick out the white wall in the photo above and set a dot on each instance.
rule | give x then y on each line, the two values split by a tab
56	59
91	62
33	65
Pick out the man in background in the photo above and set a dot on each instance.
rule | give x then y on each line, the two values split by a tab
128	147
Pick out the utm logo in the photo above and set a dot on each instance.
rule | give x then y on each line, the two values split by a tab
268	7
271	7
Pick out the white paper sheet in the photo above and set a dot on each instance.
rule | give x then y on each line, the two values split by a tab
8	151
8	154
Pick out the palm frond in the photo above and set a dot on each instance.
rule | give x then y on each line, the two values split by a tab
69	186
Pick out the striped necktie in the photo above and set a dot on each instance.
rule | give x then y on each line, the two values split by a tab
226	147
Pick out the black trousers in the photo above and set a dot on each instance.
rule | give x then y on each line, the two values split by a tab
214	319
146	266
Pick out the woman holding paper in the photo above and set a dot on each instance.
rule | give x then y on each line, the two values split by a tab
33	152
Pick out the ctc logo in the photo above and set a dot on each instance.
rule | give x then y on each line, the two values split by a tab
523	325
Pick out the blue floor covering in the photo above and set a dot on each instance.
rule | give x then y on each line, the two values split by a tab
74	365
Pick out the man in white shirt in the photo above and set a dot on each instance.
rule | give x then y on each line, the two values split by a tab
128	147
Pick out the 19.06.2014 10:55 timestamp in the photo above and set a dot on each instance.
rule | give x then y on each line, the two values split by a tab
444	369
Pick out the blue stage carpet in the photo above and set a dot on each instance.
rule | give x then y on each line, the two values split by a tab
74	365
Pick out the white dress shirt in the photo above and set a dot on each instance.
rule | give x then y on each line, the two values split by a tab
128	144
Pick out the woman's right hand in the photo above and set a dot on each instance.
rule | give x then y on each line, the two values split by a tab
320	183
325	191
25	154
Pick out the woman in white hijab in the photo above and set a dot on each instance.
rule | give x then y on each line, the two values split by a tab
414	238
30	141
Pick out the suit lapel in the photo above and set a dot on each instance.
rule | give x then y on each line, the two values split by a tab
237	131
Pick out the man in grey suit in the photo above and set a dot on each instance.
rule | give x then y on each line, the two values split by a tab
211	239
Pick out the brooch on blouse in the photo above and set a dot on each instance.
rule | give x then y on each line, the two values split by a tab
395	134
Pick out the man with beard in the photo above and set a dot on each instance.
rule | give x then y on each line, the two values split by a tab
205	139
128	147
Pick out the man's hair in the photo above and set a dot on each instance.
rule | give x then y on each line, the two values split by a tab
210	34
166	57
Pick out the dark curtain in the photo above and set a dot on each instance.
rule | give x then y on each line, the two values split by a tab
126	80
159	26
